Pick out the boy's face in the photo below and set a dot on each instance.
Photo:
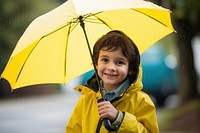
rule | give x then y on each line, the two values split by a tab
112	68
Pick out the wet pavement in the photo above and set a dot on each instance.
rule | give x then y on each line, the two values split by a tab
37	114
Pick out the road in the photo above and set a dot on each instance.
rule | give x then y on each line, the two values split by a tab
37	114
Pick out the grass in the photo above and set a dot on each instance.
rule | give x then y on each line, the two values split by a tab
185	118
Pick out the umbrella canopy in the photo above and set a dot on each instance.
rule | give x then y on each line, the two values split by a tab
53	48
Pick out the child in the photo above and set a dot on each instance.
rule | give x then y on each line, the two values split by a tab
117	62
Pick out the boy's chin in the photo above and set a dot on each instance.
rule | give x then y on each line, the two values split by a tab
112	84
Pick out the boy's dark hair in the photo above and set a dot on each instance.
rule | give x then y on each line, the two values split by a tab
116	39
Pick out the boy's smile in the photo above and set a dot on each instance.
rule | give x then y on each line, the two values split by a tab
112	68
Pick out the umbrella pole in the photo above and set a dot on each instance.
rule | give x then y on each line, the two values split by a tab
90	51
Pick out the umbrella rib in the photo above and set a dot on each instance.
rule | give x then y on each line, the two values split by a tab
103	22
87	18
93	22
74	26
34	48
150	17
65	59
111	28
65	65
27	59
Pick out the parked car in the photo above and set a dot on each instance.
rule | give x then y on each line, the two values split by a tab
159	73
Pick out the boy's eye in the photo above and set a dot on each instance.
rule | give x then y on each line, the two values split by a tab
104	60
120	62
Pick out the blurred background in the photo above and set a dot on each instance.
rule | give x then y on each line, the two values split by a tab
171	74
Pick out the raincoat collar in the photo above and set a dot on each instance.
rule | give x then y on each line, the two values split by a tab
117	92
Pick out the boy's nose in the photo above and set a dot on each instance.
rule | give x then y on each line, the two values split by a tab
111	67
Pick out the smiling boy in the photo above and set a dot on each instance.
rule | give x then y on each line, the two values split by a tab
117	62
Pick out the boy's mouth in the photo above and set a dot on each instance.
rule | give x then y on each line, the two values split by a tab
110	75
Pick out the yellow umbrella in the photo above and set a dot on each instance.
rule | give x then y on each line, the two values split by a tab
53	48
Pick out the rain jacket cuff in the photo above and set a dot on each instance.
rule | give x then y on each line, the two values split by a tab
119	119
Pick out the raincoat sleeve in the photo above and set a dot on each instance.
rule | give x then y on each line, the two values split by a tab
74	123
143	120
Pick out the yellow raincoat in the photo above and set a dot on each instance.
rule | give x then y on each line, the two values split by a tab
140	113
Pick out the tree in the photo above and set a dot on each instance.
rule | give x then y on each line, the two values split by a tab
187	19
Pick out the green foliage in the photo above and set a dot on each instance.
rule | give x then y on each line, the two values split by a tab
15	16
187	9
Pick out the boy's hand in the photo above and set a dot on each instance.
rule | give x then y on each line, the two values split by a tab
107	110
